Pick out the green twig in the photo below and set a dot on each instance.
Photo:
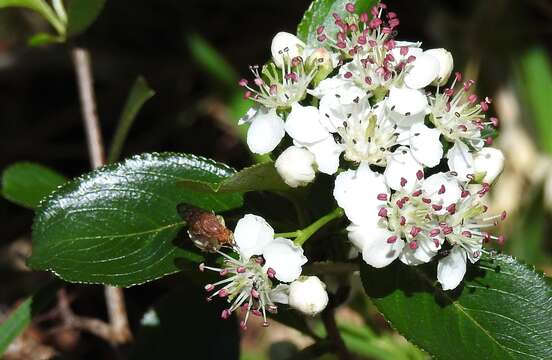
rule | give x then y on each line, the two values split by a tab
304	234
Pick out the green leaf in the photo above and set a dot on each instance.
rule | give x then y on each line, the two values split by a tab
41	7
27	183
320	13
212	62
139	94
41	39
535	82
17	321
81	14
119	225
183	325
258	177
503	310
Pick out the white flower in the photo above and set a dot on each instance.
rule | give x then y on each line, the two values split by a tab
424	143
266	130
460	115
285	47
308	295
488	163
460	160
446	64
249	277
295	166
304	125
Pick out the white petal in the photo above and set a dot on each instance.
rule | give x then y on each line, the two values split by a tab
356	192
451	269
303	124
402	165
377	252
473	251
248	116
422	72
425	145
446	64
326	154
329	86
490	162
285	47
432	186
252	234
425	251
407	106
295	166
280	294
266	131
360	234
460	160
285	258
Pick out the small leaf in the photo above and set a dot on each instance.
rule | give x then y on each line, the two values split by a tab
81	14
258	177
119	225
41	7
184	323
41	39
320	12
17	321
26	183
503	310
139	94
212	62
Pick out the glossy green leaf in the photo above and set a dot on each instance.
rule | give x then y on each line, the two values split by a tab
21	317
119	225
27	183
258	177
503	310
139	94
320	13
183	325
39	6
81	14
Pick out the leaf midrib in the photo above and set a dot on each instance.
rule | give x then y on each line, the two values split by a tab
462	310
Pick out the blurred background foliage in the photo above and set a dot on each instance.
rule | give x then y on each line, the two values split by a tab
192	53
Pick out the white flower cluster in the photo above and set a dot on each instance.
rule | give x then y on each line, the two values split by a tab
411	153
258	277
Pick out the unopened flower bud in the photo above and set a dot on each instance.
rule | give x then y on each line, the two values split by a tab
321	60
488	164
296	166
308	295
446	63
285	47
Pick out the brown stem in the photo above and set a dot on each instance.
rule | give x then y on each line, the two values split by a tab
328	317
120	330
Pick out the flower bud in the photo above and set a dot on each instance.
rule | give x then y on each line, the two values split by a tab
446	63
488	164
296	166
321	60
308	295
285	47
